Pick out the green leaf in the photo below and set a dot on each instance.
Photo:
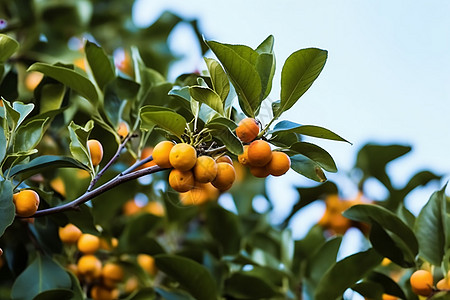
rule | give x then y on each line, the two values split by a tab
389	221
100	64
368	289
323	259
29	135
309	130
112	104
52	95
207	96
224	228
315	153
224	121
429	228
190	274
46	275
7	208
2	143
43	163
345	273
219	78
172	294
12	117
70	78
300	70
60	294
266	46
224	134
265	66
165	118
8	46
23	109
78	142
243	286
307	167
238	62
389	286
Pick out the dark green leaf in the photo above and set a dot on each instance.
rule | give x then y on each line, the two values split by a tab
29	135
100	65
112	104
323	259
224	134
172	294
83	219
368	289
315	153
299	72
345	273
46	275
265	66
8	46
419	179
165	118
55	294
307	167
224	121
70	78
52	95
224	228
429	229
7	208
207	96
243	286
219	78
190	274
389	285
2	143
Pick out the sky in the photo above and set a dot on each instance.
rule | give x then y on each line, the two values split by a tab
386	79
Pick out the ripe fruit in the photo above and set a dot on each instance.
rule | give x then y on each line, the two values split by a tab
69	234
422	282
201	193
247	130
112	274
224	158
443	284
154	208
123	130
99	292
95	151
279	164
183	156
260	172
88	243
225	176
130	208
161	154
89	266
32	80
26	202
181	181
205	170
243	158
147	263
57	185
388	297
259	153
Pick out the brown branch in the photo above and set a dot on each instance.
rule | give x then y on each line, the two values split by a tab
137	165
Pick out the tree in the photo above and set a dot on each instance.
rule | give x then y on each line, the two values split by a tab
110	174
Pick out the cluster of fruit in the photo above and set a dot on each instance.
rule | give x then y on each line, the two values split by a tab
102	276
422	283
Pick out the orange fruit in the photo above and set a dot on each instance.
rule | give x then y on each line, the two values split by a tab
95	151
130	208
199	194
108	244
225	176
224	158
57	185
125	63
205	169
69	234
89	266
112	274
88	243
123	130
131	284
73	268
259	153
147	262
443	284
100	292
183	157
154	208
161	154
243	157
26	202
32	80
247	130
388	297
181	181
421	282
146	152
279	164
260	172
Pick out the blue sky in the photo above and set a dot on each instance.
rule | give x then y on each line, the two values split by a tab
386	79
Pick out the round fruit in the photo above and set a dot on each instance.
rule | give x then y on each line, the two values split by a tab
201	193
224	158
247	130
388	297
154	208
243	158
443	284
225	176
422	282
96	151
123	130
112	274
183	156
161	154
69	234
259	153
147	263
99	292
89	266
260	172
32	80
88	243
26	202
205	170
279	164
181	181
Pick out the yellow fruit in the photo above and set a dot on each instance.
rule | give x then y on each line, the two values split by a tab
205	170
89	266
95	151
123	130
224	158
100	292
69	234
183	157
181	181
422	282
88	243
247	130
279	164
225	176
161	154
259	153
147	262
112	274
243	158
154	208
385	262
26	202
201	193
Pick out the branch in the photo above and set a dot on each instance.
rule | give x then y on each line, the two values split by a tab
74	205
137	165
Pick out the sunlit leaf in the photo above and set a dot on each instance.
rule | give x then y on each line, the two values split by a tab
78	142
8	46
162	117
29	135
207	96
307	167
219	78
52	95
315	153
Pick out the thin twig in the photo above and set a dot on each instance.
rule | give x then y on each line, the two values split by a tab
137	165
218	149
110	162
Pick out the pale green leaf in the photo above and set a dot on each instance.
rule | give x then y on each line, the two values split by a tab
207	96
8	46
219	78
